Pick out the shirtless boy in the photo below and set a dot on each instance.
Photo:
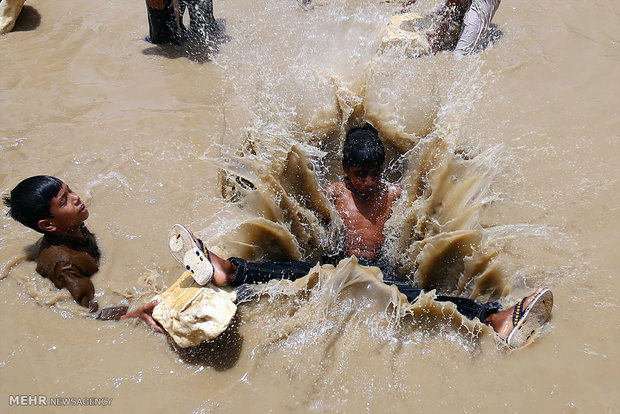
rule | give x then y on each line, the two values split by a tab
68	254
364	202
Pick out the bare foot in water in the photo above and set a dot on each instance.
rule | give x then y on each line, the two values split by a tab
517	325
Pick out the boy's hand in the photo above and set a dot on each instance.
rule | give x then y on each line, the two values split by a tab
144	312
156	4
112	313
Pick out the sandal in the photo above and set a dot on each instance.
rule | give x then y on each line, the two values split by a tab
191	253
526	322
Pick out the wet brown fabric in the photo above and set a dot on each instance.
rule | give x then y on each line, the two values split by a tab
69	262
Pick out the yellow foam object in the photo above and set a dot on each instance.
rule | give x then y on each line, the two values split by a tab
191	313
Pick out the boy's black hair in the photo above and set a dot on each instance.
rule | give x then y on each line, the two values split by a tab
363	148
29	200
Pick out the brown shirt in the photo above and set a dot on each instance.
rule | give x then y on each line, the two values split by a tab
70	262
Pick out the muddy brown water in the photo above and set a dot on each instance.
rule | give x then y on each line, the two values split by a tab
510	161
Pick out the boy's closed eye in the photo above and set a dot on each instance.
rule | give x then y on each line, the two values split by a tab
65	198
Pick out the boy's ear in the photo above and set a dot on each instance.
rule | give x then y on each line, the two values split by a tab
46	225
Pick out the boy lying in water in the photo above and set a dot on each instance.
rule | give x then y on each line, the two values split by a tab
364	202
68	254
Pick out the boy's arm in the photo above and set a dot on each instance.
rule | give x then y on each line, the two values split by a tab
145	312
68	275
332	190
112	313
397	189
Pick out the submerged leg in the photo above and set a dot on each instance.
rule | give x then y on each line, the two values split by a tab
162	24
202	22
475	25
249	272
465	306
515	325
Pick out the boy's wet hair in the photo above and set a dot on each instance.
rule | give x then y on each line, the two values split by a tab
29	200
363	148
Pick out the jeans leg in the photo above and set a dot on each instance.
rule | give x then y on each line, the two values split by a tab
202	23
472	309
465	306
162	24
475	24
249	272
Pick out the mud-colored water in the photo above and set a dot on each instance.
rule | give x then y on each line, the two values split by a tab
509	161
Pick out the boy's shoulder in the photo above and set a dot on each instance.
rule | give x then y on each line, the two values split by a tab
395	190
336	189
53	253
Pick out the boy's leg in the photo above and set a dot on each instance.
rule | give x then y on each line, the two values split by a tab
250	272
472	309
162	24
202	22
515	325
465	306
475	24
448	16
204	265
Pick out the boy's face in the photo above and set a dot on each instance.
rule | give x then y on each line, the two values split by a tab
365	181
67	210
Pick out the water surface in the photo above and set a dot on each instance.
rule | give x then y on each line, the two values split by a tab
509	159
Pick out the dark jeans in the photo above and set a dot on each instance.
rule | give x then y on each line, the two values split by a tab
163	24
163	27
249	272
201	20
